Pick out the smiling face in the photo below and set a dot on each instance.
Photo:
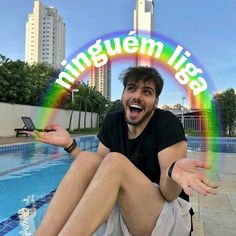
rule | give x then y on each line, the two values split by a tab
139	101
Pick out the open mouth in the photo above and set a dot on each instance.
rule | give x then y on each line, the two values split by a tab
135	109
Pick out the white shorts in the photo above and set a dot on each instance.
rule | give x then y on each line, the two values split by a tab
174	220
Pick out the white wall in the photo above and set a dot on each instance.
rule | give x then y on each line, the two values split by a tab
10	117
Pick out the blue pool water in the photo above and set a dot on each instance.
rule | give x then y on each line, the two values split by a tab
221	144
28	178
30	173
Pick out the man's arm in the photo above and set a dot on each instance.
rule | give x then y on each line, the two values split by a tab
187	174
169	188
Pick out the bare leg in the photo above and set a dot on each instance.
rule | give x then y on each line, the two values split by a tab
116	179
69	193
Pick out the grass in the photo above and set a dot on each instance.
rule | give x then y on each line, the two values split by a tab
85	131
193	133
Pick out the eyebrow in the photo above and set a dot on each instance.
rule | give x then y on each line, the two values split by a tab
144	87
147	87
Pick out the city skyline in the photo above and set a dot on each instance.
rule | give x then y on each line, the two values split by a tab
205	28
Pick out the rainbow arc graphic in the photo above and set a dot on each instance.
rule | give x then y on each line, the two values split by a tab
187	72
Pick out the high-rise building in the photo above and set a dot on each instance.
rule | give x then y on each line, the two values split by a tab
193	103
101	79
45	36
144	22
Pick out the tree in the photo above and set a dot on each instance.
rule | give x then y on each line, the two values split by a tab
100	105
81	102
225	104
22	83
115	106
12	82
91	100
87	99
3	59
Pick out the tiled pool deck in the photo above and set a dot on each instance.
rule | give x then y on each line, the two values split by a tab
214	215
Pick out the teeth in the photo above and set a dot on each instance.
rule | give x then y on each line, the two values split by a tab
135	106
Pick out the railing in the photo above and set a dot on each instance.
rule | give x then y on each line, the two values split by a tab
196	123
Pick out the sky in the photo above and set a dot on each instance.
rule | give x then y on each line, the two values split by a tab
207	28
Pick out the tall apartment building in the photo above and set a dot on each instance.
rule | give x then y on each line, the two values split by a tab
45	36
144	21
193	103
101	79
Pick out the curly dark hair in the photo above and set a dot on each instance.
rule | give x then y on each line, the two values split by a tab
143	73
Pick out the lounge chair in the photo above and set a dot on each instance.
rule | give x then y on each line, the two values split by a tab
28	126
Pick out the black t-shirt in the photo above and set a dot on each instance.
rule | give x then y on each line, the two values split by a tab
163	130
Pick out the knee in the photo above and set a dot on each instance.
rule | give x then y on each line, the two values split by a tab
87	159
114	161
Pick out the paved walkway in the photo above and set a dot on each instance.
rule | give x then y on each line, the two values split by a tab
12	140
214	215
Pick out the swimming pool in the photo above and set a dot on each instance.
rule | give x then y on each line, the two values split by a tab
30	173
218	144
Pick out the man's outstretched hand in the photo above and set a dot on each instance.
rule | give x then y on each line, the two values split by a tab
59	136
190	174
